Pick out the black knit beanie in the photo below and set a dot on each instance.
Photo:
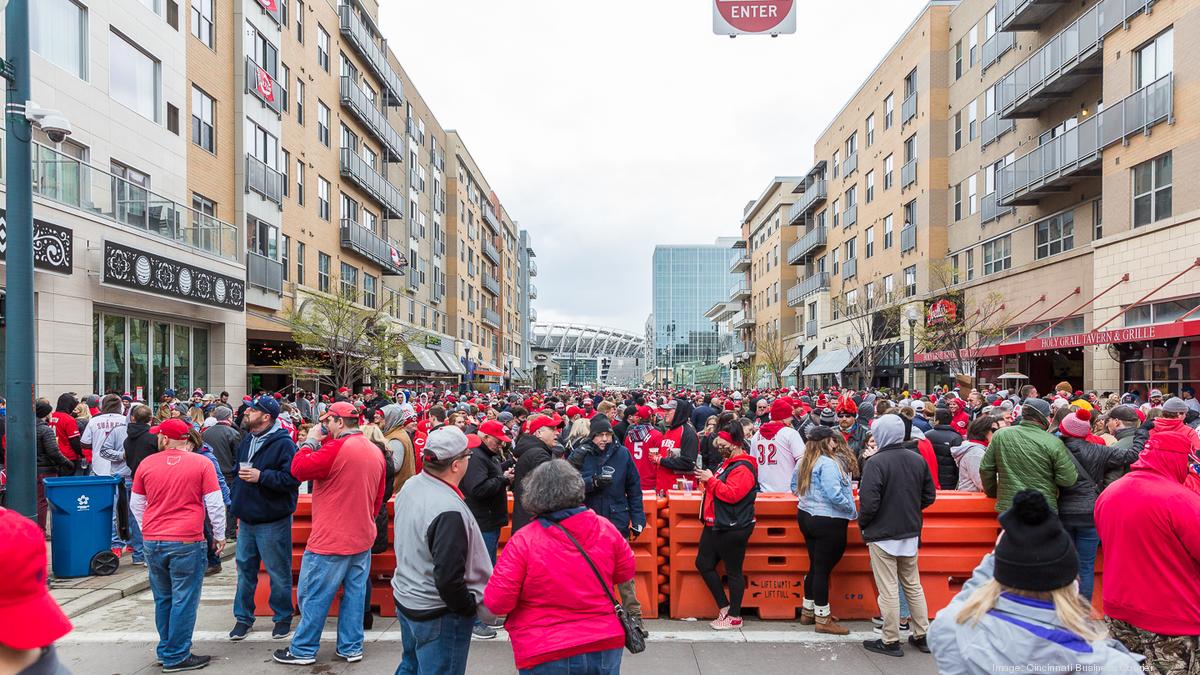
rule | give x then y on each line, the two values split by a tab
599	425
1035	553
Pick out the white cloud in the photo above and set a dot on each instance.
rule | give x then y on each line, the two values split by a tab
609	126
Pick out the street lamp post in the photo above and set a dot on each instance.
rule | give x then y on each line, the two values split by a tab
912	316
19	354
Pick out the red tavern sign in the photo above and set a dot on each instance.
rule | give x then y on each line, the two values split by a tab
754	17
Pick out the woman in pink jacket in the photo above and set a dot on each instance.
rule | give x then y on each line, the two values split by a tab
559	616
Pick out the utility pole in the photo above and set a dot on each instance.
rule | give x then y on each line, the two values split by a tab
19	349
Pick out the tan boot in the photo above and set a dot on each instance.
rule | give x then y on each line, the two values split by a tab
827	624
807	617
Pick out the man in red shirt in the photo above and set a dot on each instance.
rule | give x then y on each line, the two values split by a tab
349	476
66	431
640	440
173	489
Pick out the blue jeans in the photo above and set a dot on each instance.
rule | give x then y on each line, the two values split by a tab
135	532
320	578
605	662
176	575
491	541
904	611
1087	540
435	647
270	544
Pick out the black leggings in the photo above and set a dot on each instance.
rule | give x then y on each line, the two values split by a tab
825	539
729	547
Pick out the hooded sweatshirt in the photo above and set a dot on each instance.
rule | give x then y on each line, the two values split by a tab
1176	426
1150	570
967	456
679	447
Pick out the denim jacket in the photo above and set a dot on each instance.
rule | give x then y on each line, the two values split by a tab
829	491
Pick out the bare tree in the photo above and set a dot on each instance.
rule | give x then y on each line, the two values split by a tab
348	340
772	356
956	331
874	322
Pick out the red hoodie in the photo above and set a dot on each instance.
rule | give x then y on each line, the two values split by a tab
1148	523
1176	426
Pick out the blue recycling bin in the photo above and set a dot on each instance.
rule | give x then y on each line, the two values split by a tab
81	525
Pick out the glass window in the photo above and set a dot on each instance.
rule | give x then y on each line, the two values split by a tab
910	281
970	264
870	242
323	272
349	281
285	254
133	77
199	358
958	130
958	202
973	46
263	237
369	292
870	130
58	32
322	48
888	164
1055	235
181	351
887	231
910	148
972	112
114	353
300	182
323	123
323	198
870	196
889	110
1154	60
958	59
160	359
300	263
997	255
299	20
204	110
139	356
299	96
1152	190
1097	219
972	190
202	21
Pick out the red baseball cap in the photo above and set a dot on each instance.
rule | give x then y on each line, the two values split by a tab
174	429
544	421
29	616
644	412
495	430
340	409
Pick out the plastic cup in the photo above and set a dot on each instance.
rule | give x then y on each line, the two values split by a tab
245	466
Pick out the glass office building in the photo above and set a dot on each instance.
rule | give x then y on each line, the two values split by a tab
687	281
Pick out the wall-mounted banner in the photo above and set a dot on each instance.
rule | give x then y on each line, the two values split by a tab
129	267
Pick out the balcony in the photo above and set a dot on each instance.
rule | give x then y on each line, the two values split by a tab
264	87
739	291
908	173
363	40
994	126
908	238
491	220
742	320
812	240
364	176
364	110
532	292
817	282
810	328
264	180
850	165
491	284
263	272
532	315
721	311
490	251
813	196
908	109
1066	159
990	209
997	46
740	264
490	317
375	248
91	189
850	269
1015	15
850	216
532	267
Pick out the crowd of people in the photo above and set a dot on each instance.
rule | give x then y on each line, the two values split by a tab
1070	471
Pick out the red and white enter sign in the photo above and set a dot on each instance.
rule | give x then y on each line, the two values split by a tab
750	17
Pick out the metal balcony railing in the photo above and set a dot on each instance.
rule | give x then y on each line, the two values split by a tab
908	173
491	317
532	292
996	46
994	126
264	87
850	268
533	271
908	238
816	282
264	180
739	290
742	320
810	328
1065	62
740	264
532	315
491	219
850	165
490	251
811	241
94	191
364	42
990	209
263	272
373	247
813	196
1062	158
491	284
362	174
908	109
1015	15
357	102
850	216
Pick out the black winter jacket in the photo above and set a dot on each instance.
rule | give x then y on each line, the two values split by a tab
531	453
49	458
944	438
896	486
139	444
224	440
1092	461
485	489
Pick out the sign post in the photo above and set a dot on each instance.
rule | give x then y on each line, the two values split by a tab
754	17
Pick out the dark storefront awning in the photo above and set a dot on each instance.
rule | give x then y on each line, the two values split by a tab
832	362
453	365
425	360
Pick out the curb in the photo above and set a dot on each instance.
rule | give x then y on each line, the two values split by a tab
121	588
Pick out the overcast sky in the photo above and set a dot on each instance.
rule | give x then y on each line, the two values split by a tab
608	126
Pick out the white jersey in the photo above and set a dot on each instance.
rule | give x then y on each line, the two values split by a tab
777	458
94	434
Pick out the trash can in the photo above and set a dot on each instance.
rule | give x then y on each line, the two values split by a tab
81	525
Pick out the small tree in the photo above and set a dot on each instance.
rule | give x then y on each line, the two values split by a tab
874	322
958	339
352	342
772	357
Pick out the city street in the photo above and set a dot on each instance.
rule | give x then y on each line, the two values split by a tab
119	638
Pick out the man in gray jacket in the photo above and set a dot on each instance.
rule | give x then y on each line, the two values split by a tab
442	563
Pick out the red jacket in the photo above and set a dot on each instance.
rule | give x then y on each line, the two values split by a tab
1176	426
960	422
1148	522
555	605
925	446
740	481
350	477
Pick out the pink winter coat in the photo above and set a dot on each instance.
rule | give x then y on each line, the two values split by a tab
555	606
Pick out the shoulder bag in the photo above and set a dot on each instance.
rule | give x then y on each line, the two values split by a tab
634	641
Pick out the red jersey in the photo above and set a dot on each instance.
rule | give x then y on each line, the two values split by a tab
638	441
418	439
670	441
65	428
960	422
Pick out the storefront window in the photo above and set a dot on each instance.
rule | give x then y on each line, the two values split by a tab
182	351
133	352
1161	312
139	355
114	353
161	359
1169	366
200	358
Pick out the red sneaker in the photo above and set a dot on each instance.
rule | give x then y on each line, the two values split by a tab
116	552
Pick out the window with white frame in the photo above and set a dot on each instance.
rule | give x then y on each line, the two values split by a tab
972	115
958	130
323	123
1097	219
204	111
322	48
1154	59
972	190
1152	190
58	32
997	255
889	287
134	77
349	281
889	111
870	130
322	198
836	213
202	21
869	247
887	231
369	293
910	281
958	202
888	165
1055	235
970	264
958	60
973	45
